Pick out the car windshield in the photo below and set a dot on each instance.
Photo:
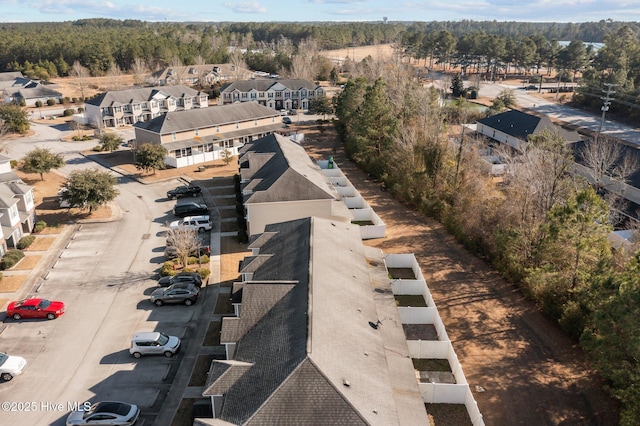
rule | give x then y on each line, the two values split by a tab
3	358
163	339
44	304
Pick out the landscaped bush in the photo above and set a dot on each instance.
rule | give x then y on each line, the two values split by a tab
12	257
168	269
38	104
51	102
97	148
80	110
68	112
203	272
194	259
25	242
40	225
13	163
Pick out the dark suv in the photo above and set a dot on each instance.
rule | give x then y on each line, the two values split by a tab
184	191
190	209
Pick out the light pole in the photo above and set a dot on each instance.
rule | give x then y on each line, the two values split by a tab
605	107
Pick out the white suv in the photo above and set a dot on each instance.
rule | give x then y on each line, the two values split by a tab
154	343
11	366
199	223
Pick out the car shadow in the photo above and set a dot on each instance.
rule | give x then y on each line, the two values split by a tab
120	357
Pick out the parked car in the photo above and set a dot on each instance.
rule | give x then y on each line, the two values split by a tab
105	413
283	112
199	223
190	209
184	191
35	308
293	112
186	293
182	277
11	366
154	343
286	120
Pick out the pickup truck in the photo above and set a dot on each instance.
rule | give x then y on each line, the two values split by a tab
184	191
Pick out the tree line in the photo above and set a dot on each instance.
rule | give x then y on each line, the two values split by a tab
542	226
45	50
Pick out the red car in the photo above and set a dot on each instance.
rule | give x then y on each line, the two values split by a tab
35	308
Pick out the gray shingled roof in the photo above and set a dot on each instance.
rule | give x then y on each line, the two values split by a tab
122	97
7	197
39	91
520	125
257	299
180	121
262	85
10	75
289	175
315	338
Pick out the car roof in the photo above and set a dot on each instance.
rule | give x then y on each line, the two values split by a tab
120	408
146	335
190	204
183	285
201	217
28	302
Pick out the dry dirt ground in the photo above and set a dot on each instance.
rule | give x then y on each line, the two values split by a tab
521	368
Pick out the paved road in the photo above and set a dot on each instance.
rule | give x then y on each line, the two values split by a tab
573	116
103	272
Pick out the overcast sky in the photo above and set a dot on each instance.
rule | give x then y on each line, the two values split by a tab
322	10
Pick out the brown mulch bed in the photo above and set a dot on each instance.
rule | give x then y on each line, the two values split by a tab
27	263
41	243
11	283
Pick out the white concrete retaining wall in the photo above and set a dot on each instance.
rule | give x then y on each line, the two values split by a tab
442	393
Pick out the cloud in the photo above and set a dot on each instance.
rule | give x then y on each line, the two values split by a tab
246	7
105	9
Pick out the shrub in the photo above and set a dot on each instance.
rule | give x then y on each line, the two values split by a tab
13	163
25	242
40	225
80	110
204	273
168	269
23	103
10	258
51	102
97	148
68	112
192	260
38	104
65	100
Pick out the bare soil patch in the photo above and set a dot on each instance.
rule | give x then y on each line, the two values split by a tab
27	263
11	283
381	51
41	243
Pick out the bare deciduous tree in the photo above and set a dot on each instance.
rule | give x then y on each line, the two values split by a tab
80	73
140	71
184	241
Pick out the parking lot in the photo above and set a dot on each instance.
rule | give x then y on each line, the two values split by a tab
104	273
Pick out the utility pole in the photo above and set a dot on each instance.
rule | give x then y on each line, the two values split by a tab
605	106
